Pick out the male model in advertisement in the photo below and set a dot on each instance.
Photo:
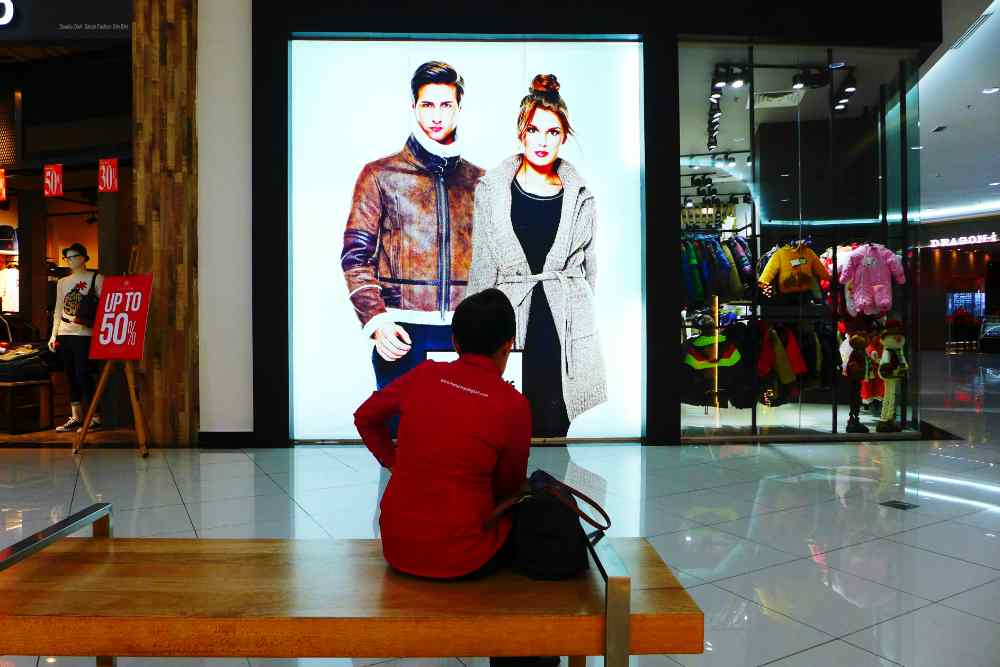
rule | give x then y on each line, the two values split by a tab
407	246
533	238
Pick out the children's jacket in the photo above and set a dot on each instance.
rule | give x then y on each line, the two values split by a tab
795	268
871	270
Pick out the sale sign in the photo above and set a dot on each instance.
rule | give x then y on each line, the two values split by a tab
122	314
107	175
53	183
3	185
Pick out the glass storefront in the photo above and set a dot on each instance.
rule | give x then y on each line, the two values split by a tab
799	193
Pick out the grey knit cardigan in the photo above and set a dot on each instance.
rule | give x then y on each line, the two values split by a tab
569	278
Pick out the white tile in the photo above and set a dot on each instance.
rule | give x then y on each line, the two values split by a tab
121	459
983	601
635	518
302	527
787	492
324	474
933	636
192	471
834	654
689	478
988	519
709	506
18	661
801	532
909	569
150	522
739	632
711	554
198	456
239	511
225	489
362	498
282	461
877	519
125	492
835	602
976	545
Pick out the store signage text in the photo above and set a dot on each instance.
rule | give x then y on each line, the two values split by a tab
52	186
107	176
964	240
6	12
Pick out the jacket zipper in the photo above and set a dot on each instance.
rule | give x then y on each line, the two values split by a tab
444	252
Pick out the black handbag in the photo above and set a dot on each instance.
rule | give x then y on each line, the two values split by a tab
86	312
549	542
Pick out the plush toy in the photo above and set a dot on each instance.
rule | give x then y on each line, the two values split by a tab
892	368
856	368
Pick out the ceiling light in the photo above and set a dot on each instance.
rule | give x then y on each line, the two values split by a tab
840	107
917	148
851	84
688	202
732	161
843	100
715	96
719	80
991	91
798	83
717	115
995	183
838	65
737	81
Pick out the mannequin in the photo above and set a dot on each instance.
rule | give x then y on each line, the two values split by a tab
71	335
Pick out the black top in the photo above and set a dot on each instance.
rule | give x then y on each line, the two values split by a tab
536	221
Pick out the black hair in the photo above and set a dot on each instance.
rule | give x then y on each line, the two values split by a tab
483	322
437	72
78	248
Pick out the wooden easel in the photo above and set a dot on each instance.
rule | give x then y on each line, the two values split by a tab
140	421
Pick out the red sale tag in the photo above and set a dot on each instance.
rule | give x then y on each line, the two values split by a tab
3	185
122	314
107	175
53	184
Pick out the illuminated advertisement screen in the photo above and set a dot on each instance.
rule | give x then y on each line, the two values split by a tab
423	171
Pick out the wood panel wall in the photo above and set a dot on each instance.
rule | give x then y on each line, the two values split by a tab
164	39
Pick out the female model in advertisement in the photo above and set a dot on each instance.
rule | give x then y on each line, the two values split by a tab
533	238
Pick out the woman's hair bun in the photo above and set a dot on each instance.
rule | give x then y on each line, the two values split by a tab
545	83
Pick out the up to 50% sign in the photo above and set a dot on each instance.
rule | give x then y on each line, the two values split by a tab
119	327
123	312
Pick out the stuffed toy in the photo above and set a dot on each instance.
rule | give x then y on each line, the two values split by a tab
856	368
892	368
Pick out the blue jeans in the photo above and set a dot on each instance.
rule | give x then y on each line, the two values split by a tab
424	338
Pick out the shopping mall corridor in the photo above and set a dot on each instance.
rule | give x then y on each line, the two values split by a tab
788	549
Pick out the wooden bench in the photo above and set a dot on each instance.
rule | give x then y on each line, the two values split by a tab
29	400
298	598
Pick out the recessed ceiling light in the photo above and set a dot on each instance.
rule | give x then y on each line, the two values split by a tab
991	91
837	65
995	183
785	175
840	107
916	148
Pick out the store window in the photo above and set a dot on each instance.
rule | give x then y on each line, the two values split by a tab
796	241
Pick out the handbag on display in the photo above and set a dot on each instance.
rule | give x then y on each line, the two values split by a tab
549	541
86	312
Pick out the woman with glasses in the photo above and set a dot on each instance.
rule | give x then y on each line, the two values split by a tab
72	327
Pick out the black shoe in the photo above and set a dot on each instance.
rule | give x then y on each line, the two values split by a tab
854	425
71	425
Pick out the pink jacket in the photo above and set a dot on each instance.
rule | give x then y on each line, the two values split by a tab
871	269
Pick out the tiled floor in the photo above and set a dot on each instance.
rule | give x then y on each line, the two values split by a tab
786	548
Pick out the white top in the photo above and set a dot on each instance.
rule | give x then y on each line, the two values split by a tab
69	294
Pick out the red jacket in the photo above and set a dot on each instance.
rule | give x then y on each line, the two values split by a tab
462	446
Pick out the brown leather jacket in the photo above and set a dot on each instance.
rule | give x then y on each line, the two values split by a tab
402	247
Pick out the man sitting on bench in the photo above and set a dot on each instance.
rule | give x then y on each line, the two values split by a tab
464	435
